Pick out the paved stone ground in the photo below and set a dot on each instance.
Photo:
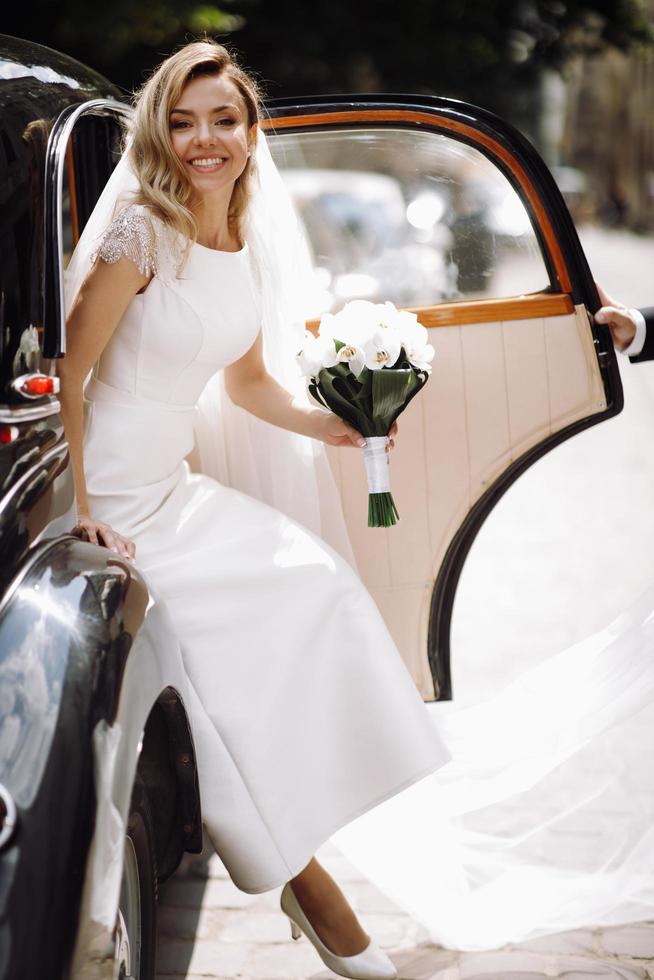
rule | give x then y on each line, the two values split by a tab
210	929
596	524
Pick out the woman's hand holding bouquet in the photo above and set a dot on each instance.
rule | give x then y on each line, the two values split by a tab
365	365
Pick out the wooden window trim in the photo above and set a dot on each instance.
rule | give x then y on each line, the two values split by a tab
489	311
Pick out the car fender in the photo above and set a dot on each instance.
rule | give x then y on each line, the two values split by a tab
85	652
154	674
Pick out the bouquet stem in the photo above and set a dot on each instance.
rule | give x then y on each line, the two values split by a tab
382	511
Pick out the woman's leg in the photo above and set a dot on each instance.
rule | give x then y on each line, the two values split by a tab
328	911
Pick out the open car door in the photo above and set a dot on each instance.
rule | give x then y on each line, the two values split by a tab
446	210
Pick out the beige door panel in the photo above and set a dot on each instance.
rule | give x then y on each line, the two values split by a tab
497	390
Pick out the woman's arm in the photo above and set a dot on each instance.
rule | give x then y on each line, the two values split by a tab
249	385
97	310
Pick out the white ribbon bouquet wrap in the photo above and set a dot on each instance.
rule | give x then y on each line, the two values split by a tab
365	364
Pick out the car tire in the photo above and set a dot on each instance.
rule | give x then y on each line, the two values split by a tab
136	929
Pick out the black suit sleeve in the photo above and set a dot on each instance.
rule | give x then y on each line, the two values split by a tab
647	353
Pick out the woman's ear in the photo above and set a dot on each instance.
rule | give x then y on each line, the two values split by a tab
252	137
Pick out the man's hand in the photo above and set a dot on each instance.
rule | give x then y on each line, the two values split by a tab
619	318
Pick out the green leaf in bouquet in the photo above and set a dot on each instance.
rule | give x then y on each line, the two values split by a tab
337	393
315	393
364	396
343	372
393	388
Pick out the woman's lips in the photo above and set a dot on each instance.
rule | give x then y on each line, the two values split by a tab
204	168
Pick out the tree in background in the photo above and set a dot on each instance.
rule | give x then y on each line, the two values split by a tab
491	52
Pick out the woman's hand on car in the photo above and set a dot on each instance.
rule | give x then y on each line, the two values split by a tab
97	532
336	432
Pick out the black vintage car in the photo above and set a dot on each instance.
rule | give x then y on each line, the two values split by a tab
434	204
97	766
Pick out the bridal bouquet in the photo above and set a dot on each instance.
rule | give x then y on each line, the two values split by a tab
365	365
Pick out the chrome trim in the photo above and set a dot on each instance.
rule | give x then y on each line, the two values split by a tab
22	379
61	139
8	826
29	413
128	927
34	555
59	450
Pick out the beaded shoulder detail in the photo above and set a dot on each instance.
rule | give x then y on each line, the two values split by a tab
136	233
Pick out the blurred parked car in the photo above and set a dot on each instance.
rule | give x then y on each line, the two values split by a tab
358	230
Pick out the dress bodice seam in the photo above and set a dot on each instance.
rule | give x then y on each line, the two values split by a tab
191	356
139	347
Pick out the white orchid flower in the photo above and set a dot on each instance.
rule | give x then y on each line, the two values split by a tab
411	330
316	353
420	357
329	355
326	326
382	350
354	324
352	356
375	332
389	315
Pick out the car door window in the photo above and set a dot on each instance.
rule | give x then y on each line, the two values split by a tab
84	147
409	216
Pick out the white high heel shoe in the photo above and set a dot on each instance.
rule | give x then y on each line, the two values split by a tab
371	964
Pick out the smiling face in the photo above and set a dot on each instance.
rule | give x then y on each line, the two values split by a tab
210	133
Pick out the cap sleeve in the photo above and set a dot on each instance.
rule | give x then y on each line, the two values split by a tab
137	234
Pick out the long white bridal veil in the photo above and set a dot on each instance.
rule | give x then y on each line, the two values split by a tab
289	472
543	820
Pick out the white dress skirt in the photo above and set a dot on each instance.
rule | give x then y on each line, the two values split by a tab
303	713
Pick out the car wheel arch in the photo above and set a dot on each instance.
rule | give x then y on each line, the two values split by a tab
168	770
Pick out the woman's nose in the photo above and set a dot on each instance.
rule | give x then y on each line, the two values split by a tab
204	133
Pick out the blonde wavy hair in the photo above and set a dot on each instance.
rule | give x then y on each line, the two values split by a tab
164	184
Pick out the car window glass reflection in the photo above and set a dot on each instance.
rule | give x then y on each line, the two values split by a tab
93	150
414	217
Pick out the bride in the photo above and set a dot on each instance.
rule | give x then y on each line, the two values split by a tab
293	677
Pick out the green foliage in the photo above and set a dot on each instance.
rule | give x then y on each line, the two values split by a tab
555	30
481	50
123	40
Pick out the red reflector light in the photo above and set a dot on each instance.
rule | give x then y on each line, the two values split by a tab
39	386
8	433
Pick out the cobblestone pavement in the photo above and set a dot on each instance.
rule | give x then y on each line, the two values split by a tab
210	929
593	541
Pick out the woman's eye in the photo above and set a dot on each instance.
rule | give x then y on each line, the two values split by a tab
182	123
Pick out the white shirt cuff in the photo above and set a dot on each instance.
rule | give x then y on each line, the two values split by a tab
636	345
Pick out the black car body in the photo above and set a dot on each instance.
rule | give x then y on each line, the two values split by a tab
93	727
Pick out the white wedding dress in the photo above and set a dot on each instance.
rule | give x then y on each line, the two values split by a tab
303	713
